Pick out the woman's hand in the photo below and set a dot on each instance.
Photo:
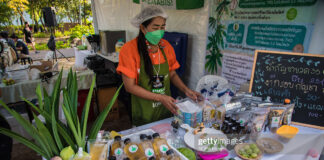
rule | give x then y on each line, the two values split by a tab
168	102
193	95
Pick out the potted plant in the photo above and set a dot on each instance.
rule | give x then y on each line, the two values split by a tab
53	135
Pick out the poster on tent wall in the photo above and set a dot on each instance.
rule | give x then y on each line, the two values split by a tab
246	25
173	4
237	68
267	24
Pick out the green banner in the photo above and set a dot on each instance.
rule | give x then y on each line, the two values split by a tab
274	3
173	4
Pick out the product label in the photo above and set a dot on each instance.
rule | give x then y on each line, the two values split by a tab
133	148
149	152
164	148
275	122
118	152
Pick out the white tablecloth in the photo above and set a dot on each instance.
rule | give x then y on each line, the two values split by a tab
27	89
295	149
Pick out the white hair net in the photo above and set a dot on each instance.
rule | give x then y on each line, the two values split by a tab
148	13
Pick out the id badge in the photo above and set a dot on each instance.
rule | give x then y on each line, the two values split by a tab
158	84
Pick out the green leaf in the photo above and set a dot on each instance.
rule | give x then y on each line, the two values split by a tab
39	96
56	93
55	133
60	126
102	116
24	141
85	112
46	136
69	120
30	129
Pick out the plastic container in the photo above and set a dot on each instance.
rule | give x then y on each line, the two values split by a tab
286	133
189	112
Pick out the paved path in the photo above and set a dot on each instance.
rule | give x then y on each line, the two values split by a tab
67	52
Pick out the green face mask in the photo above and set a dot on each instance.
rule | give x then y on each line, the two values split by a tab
155	36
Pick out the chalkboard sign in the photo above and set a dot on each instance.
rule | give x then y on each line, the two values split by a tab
299	77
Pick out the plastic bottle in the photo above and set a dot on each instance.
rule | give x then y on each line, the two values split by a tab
147	146
116	148
81	156
133	151
119	45
97	150
171	155
112	158
160	146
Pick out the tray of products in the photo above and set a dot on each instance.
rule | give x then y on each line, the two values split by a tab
144	144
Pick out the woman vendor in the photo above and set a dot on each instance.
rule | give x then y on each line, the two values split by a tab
147	64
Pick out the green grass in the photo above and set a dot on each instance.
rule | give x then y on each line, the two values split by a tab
59	45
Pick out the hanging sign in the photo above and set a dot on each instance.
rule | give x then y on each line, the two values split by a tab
173	4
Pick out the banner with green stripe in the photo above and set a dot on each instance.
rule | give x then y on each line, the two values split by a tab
173	4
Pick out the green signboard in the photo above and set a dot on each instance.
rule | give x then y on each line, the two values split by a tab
275	36
235	33
274	3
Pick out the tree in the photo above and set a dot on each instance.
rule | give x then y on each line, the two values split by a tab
6	14
18	6
216	39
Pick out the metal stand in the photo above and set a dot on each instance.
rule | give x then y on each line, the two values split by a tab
55	56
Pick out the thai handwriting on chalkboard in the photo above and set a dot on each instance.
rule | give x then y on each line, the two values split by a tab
317	81
311	97
276	92
309	106
296	86
292	69
309	62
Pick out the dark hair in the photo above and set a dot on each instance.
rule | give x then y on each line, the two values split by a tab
14	36
4	34
142	49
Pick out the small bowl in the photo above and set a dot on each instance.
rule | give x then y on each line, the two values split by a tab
286	133
239	146
269	145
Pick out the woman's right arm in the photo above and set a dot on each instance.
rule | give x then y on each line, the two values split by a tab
133	88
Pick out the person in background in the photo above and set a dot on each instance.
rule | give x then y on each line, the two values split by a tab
147	65
20	45
11	43
28	36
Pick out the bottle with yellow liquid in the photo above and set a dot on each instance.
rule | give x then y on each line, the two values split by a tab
171	155
116	148
98	149
147	146
133	151
160	146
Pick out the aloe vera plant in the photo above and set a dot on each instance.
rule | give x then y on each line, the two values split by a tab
52	136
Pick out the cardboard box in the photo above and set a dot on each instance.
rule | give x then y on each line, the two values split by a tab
45	66
104	97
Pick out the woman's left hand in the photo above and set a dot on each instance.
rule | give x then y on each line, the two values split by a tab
196	96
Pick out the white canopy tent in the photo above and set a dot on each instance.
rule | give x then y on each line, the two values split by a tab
116	15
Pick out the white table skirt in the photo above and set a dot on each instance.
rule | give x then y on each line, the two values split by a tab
27	89
295	149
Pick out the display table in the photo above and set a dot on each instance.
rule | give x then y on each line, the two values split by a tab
27	89
295	149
